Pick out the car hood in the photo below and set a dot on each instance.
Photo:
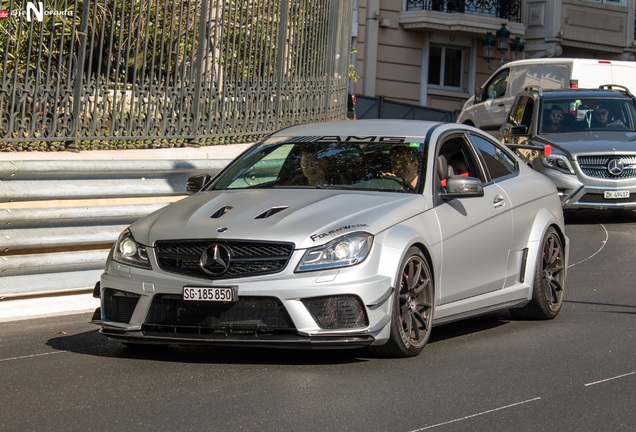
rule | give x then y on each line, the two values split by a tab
305	217
591	142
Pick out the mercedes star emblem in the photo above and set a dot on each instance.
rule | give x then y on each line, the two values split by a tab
215	259
615	167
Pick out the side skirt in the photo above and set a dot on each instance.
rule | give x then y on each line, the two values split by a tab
478	312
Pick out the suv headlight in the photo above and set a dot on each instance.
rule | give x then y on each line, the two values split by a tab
348	250
128	251
558	162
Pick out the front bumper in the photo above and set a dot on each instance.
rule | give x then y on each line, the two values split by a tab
281	310
576	194
238	339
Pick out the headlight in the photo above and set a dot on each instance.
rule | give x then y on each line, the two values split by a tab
344	251
558	162
128	251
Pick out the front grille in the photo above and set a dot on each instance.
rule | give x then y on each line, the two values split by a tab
119	305
596	166
172	314
337	312
245	258
592	198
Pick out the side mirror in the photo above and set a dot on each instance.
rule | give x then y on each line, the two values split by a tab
197	182
463	187
479	94
519	130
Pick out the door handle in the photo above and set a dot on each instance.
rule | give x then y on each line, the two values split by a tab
498	202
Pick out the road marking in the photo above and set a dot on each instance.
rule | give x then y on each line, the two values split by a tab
476	415
32	355
610	379
595	253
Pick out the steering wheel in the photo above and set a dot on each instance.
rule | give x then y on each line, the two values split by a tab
399	180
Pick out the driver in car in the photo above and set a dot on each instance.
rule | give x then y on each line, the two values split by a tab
404	164
601	118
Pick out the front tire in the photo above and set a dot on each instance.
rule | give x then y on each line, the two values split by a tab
412	317
549	280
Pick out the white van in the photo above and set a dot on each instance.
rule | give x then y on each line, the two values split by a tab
488	108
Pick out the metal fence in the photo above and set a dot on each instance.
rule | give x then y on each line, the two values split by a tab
97	74
62	245
381	108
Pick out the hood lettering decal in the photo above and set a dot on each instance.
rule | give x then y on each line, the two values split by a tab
337	231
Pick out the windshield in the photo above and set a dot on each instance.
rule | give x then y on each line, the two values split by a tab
572	115
392	165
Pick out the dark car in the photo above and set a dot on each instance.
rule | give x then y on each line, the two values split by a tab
584	140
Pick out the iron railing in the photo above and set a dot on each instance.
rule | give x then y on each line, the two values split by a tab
100	74
506	9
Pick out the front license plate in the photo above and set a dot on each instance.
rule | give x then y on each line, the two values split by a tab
211	294
615	194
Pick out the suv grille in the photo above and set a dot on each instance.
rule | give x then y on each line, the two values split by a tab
242	258
598	166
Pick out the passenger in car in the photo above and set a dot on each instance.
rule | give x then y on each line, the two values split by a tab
554	123
458	164
315	170
312	167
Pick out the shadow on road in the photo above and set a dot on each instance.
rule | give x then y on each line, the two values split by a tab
94	344
578	217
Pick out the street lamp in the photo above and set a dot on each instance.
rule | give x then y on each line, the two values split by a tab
489	48
503	38
516	47
501	41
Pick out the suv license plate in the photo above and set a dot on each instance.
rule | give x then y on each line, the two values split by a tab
211	294
615	194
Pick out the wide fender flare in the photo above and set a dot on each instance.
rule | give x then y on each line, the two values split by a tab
397	240
542	221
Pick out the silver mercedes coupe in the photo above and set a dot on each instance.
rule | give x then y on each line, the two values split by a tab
349	234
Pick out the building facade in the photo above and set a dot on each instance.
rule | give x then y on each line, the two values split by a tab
431	52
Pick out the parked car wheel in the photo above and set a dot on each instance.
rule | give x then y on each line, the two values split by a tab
549	281
413	309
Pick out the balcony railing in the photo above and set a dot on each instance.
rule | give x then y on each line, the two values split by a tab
506	9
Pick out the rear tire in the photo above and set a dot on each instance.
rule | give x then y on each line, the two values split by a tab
549	281
412	317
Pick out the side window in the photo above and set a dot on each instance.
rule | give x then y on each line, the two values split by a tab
460	159
522	111
498	163
555	76
496	87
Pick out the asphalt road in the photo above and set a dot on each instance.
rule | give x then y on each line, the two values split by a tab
575	373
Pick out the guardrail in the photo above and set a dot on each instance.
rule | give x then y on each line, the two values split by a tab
59	219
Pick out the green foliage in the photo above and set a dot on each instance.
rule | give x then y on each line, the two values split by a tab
18	37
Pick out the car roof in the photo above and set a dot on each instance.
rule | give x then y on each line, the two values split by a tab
579	93
380	127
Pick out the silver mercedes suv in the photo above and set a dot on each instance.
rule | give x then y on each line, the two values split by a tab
584	140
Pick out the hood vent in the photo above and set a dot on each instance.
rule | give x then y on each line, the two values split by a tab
220	212
270	212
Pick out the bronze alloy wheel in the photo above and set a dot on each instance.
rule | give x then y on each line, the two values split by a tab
413	314
549	280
